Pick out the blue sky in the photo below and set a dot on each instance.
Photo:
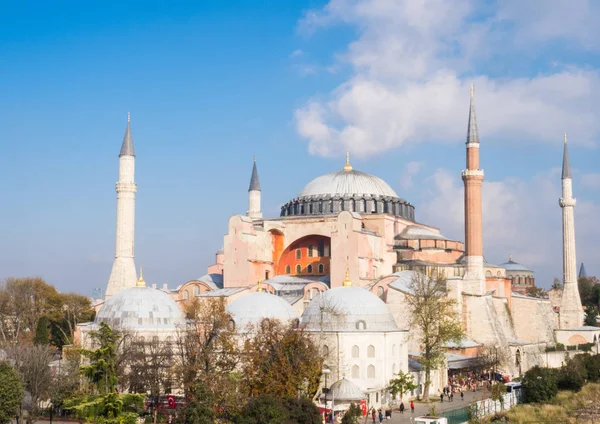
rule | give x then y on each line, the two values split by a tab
210	84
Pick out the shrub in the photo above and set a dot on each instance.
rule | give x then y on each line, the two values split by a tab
571	376
539	385
352	415
269	409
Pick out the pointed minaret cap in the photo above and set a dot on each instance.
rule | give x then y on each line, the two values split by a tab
347	167
127	146
347	282
254	182
582	271
566	168
141	282
472	133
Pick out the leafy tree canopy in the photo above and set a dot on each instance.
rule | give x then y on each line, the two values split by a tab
540	384
11	393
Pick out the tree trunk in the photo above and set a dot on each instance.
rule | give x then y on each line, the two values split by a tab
426	385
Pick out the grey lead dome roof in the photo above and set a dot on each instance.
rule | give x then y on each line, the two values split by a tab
346	309
140	308
249	310
347	183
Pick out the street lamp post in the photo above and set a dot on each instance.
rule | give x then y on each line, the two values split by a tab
325	389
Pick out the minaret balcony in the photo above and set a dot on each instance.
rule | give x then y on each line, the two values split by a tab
132	187
472	173
570	202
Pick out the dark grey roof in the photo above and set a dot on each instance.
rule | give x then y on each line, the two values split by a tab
582	271
254	183
127	146
472	133
566	169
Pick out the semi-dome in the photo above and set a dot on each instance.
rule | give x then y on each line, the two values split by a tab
347	183
348	190
249	310
345	390
140	308
348	309
514	266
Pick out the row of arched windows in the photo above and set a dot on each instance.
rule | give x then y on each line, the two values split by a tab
522	280
356	371
370	351
309	269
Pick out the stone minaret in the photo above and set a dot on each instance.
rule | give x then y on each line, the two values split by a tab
254	211
123	274
571	311
474	280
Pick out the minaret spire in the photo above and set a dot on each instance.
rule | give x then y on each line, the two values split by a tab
123	274
474	280
472	133
254	195
571	311
566	167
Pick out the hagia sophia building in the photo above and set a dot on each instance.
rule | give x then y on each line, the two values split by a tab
339	260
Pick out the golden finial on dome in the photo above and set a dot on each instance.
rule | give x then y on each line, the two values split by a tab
510	257
347	167
141	282
259	286
347	282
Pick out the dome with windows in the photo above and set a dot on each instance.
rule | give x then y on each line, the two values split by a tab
514	266
348	309
348	190
140	308
249	310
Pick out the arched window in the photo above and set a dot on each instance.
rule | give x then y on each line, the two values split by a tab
393	368
321	269
310	251
196	290
298	254
393	349
155	339
231	325
298	269
488	273
499	274
325	350
355	372
371	371
267	275
380	292
288	269
309	269
371	351
186	295
355	351
361	325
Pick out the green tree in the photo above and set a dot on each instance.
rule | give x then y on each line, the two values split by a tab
281	360
434	321
539	384
556	284
403	383
11	393
264	409
571	376
198	409
352	415
302	410
497	391
101	369
538	292
591	316
42	331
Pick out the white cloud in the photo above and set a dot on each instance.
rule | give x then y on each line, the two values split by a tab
412	63
411	170
296	53
521	217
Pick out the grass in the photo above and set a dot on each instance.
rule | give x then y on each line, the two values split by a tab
567	407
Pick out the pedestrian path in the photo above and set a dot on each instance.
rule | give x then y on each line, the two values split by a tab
423	408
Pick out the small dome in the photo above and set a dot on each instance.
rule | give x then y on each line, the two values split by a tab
250	309
347	183
514	266
345	390
348	309
140	308
413	232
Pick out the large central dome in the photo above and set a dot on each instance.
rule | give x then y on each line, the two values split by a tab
348	190
347	183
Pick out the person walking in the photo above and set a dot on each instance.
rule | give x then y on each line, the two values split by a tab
462	395
402	407
451	396
412	407
442	397
380	416
374	416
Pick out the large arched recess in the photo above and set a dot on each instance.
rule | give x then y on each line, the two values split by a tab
310	254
